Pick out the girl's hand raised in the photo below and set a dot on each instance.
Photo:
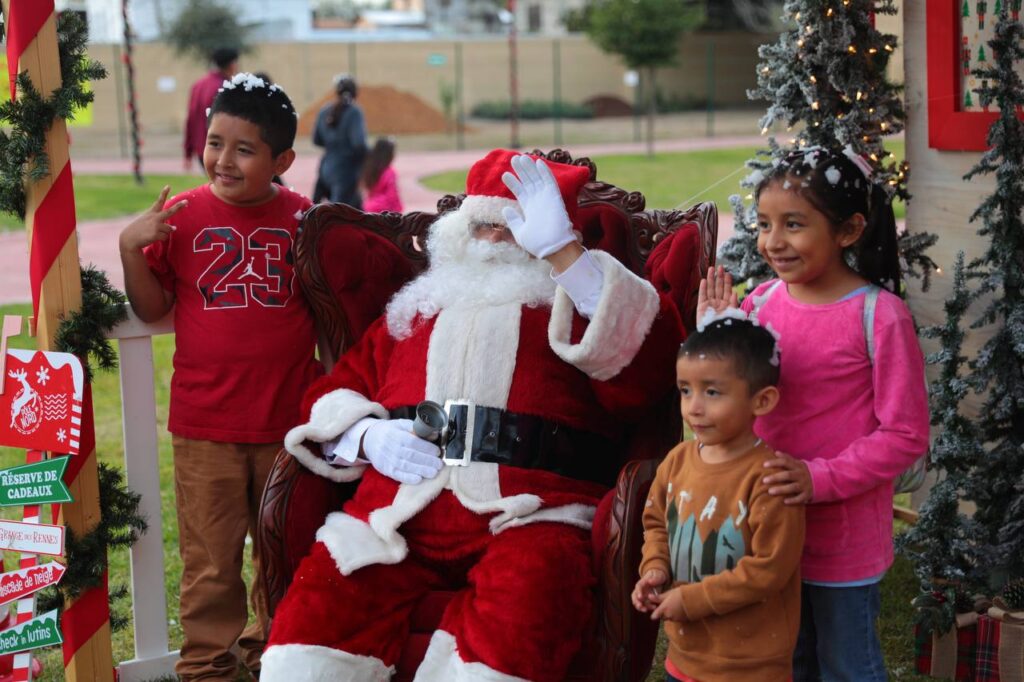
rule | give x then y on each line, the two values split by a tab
716	292
794	479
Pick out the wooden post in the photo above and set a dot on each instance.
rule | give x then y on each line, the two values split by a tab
60	292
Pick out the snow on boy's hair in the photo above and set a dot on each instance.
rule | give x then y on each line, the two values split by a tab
751	348
263	104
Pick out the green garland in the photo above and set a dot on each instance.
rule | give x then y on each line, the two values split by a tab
23	160
23	149
84	332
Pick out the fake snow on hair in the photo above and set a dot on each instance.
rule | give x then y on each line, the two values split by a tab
787	184
711	315
247	81
833	175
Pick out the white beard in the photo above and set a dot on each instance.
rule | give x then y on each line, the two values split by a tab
471	273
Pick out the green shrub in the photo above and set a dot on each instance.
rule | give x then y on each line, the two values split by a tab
531	109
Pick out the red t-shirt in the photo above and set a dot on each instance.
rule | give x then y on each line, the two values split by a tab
244	333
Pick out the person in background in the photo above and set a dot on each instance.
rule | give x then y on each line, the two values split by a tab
379	180
225	65
341	130
221	255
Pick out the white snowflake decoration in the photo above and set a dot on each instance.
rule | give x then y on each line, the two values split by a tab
61	435
42	376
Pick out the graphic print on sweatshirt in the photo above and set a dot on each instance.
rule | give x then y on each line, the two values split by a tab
693	557
241	270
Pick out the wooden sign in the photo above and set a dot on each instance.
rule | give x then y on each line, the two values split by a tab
32	634
34	538
38	483
41	405
20	583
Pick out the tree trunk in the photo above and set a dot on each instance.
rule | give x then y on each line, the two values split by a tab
651	110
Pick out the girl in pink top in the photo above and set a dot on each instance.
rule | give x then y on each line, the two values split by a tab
379	180
848	422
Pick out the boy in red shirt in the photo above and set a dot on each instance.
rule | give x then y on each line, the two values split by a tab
221	255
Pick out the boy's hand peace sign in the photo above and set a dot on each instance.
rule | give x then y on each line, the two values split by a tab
150	226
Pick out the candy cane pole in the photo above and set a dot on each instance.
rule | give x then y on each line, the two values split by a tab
56	290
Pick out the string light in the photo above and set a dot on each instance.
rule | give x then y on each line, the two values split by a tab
829	12
888	48
860	95
852	49
814	79
872	50
938	270
884	125
814	105
800	43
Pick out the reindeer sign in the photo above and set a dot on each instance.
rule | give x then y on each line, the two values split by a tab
41	402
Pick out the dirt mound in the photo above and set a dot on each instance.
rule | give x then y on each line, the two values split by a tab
609	105
388	112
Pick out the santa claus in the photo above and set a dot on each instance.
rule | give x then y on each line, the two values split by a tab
541	352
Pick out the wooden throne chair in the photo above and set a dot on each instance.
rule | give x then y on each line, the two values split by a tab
673	249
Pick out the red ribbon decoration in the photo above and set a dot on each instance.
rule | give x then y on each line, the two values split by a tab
52	226
25	18
81	620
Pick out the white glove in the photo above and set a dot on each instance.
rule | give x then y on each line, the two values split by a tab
395	451
544	227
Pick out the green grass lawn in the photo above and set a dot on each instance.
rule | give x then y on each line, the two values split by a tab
109	196
670	179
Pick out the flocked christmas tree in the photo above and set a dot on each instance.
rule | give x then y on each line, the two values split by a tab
996	484
940	544
828	76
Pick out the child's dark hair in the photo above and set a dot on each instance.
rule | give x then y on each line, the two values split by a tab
264	104
346	90
752	350
835	185
377	161
223	57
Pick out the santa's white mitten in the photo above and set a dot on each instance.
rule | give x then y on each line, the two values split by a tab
544	227
395	451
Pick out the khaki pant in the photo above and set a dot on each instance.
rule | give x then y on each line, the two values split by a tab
218	488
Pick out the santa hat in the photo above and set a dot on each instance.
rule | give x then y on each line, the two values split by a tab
486	194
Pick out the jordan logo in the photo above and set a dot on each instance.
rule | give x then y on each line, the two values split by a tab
249	272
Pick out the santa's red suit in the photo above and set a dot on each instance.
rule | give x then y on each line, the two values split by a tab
515	540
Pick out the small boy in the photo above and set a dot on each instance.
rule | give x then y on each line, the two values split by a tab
721	556
221	254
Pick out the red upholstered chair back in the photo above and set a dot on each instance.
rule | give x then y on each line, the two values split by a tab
351	263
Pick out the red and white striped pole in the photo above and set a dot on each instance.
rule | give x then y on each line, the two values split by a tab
26	606
55	279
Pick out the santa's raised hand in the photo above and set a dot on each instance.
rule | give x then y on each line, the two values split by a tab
544	226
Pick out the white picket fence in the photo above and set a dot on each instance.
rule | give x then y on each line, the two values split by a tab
153	658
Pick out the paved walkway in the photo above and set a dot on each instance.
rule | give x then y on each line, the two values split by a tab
98	238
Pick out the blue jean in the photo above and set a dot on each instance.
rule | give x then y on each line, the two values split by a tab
838	640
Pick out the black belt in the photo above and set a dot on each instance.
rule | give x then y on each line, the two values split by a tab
526	441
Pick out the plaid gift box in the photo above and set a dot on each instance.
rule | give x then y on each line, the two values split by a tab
1000	652
950	655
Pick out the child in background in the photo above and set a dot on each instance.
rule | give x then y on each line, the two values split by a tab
849	420
221	256
721	556
379	180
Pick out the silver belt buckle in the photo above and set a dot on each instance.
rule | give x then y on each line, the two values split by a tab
467	443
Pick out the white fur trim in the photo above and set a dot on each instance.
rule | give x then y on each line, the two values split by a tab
484	209
478	488
442	663
624	315
353	543
579	515
472	354
329	417
309	663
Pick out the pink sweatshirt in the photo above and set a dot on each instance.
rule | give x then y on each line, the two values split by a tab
384	195
857	425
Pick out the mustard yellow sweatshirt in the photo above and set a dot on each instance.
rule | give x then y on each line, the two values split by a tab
733	551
